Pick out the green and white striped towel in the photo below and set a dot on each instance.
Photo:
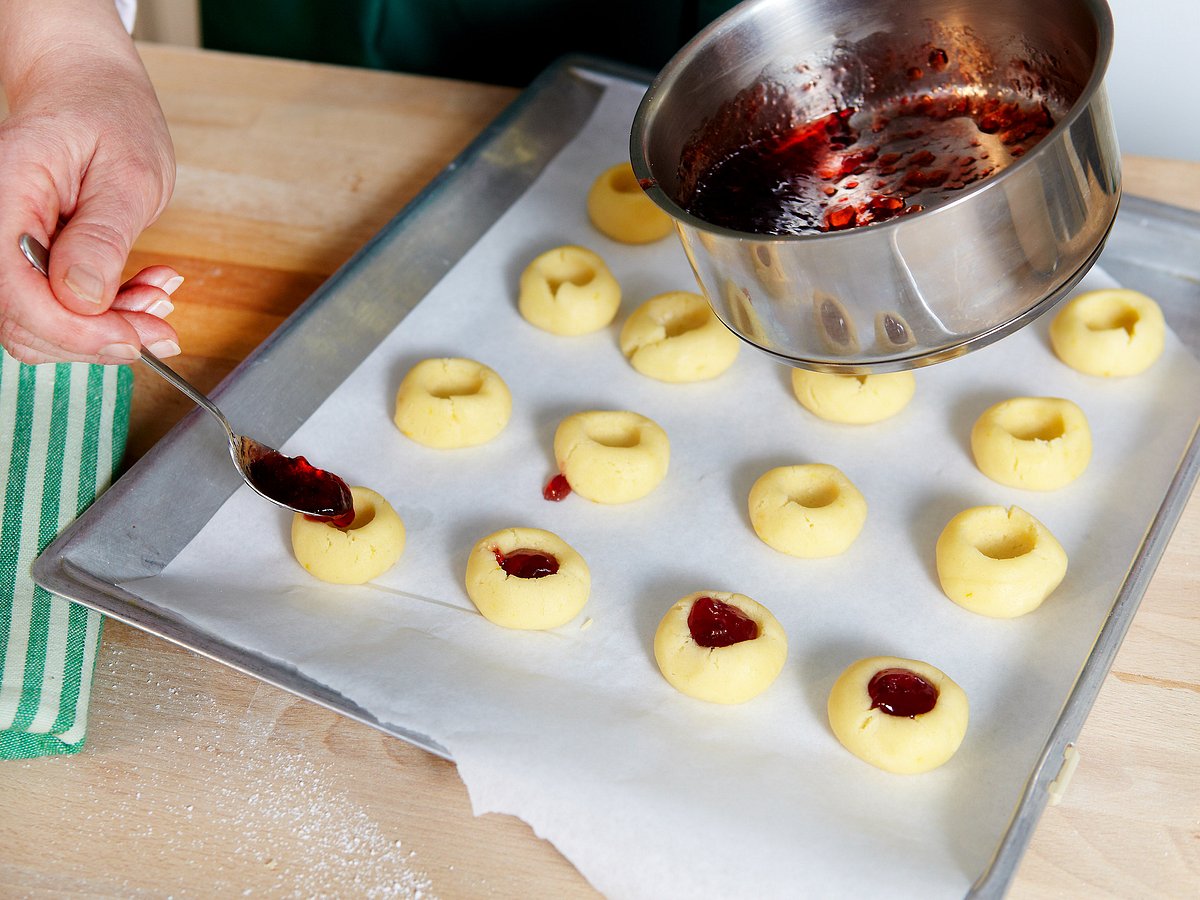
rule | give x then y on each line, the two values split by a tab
62	433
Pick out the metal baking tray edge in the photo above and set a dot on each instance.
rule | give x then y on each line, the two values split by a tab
1150	242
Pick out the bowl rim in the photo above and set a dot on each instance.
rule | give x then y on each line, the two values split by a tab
653	99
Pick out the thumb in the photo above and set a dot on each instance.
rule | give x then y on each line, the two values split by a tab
90	251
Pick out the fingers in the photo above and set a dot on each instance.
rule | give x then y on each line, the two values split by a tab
144	301
160	276
153	333
89	254
149	291
28	311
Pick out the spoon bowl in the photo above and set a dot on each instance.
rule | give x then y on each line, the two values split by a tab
287	481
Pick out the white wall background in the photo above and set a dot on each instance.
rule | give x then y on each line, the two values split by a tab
1151	82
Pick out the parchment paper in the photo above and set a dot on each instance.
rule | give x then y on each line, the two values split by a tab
648	792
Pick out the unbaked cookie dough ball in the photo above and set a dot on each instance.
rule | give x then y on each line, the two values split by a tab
1036	443
365	549
676	337
611	456
1110	333
809	511
447	403
620	209
568	291
999	562
720	647
853	399
527	578
900	715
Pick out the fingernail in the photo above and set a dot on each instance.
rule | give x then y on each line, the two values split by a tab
121	351
164	348
86	283
173	284
161	308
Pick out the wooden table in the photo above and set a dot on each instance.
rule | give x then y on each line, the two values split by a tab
198	781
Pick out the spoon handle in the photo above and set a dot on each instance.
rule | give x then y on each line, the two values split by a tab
39	258
187	388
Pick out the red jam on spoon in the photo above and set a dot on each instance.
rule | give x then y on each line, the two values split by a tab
297	483
717	624
527	563
901	692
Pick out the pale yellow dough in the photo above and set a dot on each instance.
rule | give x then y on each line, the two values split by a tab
568	291
999	562
807	511
899	744
1110	333
853	399
1036	443
732	674
620	209
676	337
611	456
527	603
448	403
370	546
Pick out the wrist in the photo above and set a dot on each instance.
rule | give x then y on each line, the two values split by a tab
42	39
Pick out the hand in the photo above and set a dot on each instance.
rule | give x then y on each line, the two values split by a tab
85	145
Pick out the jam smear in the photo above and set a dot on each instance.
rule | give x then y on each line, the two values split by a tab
527	563
295	482
852	168
557	488
714	623
901	692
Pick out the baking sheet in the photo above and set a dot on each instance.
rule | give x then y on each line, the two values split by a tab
575	731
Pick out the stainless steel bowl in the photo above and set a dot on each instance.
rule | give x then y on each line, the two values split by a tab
978	262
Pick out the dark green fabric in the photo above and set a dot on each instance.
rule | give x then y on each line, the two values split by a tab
496	41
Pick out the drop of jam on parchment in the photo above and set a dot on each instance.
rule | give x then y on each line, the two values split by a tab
557	488
714	623
527	563
901	692
295	482
852	167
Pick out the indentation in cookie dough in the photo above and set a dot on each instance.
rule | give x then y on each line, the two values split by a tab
807	511
999	562
1036	443
675	337
568	291
1109	333
452	402
611	456
356	554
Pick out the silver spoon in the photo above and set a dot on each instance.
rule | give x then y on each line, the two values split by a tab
290	482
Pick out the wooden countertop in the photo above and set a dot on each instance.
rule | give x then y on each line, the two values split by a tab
199	781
